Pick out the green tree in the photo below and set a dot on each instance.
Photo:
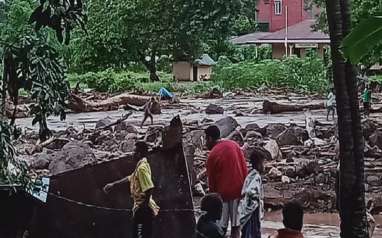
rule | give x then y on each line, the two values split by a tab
144	30
360	10
351	195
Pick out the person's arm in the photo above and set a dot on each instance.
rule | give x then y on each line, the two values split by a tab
211	173
109	186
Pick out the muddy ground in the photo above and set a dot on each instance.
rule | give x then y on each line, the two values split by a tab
302	167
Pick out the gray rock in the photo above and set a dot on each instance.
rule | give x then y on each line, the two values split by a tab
274	149
126	126
376	139
273	130
253	136
57	144
103	122
73	155
214	109
373	180
226	125
237	137
153	133
292	136
41	162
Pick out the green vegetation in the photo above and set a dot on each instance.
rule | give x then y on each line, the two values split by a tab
307	74
127	81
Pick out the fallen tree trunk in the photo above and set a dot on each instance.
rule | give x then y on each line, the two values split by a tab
274	107
77	104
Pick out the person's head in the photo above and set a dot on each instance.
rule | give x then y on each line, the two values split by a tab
153	99
257	158
212	136
141	149
293	216
333	90
212	204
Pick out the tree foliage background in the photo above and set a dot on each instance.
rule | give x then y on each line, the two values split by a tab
361	10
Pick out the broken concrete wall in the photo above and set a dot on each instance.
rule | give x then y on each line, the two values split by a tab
65	218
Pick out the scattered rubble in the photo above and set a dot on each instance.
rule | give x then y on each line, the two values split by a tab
301	167
214	109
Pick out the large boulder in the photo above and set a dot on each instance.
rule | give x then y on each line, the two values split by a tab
369	127
126	126
73	155
57	143
255	127
226	125
274	129
214	109
274	150
376	139
103	122
153	133
41	161
128	145
237	137
292	136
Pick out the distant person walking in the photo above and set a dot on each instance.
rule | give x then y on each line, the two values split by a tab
147	111
366	98
208	224
331	104
251	207
293	219
226	170
141	188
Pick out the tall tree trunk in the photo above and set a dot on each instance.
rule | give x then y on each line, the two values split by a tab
351	183
150	65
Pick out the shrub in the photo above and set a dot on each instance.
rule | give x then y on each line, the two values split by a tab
301	74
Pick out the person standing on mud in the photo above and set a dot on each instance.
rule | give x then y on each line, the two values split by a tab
331	104
251	208
147	108
141	186
366	98
226	171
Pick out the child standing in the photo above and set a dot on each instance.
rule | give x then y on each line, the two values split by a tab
207	226
251	208
331	104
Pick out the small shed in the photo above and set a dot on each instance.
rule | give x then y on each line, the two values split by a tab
199	70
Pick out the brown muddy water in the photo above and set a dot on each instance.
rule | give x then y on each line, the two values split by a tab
319	225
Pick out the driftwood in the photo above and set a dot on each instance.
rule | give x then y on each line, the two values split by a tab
124	118
274	107
77	104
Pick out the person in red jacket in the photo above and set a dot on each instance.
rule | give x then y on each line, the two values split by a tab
226	171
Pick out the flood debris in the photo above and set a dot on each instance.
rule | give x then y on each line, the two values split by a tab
274	107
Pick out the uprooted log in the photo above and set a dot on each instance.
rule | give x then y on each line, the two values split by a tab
78	104
274	107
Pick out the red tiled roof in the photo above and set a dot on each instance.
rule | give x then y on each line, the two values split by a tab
299	33
249	38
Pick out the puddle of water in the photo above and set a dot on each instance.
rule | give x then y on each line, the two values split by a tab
319	225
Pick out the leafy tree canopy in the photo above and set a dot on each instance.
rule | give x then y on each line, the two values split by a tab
120	31
361	10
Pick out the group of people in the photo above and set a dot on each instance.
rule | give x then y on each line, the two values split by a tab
365	98
237	196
